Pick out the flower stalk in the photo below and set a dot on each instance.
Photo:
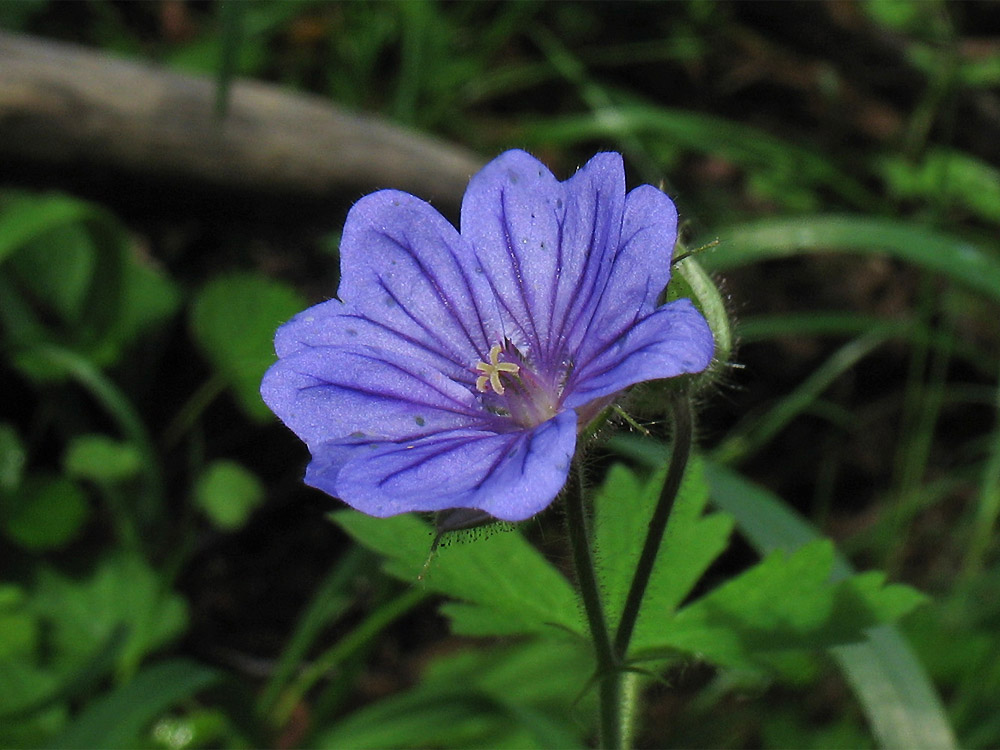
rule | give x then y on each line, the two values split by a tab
614	729
609	674
680	407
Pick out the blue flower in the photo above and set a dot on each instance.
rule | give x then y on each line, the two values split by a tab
456	369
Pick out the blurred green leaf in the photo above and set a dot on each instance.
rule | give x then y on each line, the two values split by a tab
233	320
64	686
228	493
954	258
196	729
121	717
260	22
914	16
18	626
514	697
101	459
122	590
64	258
57	268
13	456
949	178
24	684
508	587
44	513
72	279
149	297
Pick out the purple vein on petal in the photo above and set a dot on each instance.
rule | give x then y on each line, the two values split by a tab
436	286
463	409
407	338
445	351
574	309
516	265
598	308
449	445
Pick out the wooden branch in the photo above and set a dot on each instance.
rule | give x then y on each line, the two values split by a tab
68	105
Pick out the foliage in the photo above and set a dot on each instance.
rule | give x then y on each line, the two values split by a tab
857	224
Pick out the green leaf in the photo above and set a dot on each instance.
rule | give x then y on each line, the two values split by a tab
953	257
120	718
149	297
228	493
233	320
57	268
13	456
44	513
518	697
68	685
22	685
83	614
947	177
18	627
513	588
101	459
691	543
786	602
61	274
894	690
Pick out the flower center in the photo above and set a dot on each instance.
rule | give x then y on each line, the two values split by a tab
491	372
515	390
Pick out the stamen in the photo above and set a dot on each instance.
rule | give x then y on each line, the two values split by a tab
491	371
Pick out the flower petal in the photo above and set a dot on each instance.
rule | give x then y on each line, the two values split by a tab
635	274
335	324
512	476
542	243
673	340
406	268
336	392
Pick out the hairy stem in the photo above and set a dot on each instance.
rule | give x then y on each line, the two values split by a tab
608	673
680	452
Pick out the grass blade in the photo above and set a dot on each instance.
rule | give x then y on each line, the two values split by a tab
118	718
953	257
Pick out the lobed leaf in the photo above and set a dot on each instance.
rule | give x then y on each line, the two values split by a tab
894	690
121	591
506	585
691	543
785	603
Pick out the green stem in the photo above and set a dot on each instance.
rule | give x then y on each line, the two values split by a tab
608	673
680	452
192	409
328	604
150	506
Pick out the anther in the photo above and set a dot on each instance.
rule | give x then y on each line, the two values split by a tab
491	371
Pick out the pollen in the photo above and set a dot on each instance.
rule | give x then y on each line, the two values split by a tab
491	372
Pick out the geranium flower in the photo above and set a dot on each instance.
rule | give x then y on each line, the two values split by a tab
456	369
